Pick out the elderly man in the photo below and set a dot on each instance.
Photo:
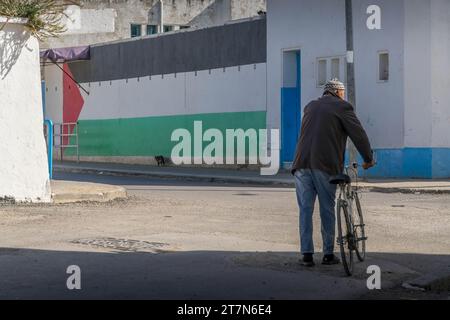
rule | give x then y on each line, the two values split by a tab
326	125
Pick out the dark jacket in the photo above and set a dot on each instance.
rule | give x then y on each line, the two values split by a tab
326	125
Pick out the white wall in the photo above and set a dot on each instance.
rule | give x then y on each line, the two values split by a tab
86	21
54	93
235	89
380	105
417	86
440	73
317	29
402	112
23	158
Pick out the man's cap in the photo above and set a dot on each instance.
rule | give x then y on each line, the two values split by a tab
334	84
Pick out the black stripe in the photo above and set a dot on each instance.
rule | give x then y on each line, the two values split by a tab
217	47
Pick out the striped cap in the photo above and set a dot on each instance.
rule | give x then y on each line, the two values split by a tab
334	84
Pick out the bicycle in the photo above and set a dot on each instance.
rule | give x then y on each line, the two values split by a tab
351	234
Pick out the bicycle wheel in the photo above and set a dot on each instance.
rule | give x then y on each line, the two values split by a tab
359	231
345	237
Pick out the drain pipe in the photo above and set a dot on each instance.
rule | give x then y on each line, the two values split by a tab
161	16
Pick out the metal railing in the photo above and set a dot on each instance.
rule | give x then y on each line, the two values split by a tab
67	136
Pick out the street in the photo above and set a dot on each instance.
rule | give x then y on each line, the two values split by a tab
177	239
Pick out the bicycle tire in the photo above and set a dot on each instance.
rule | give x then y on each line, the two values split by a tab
344	244
360	233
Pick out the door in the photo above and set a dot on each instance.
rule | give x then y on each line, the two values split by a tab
290	105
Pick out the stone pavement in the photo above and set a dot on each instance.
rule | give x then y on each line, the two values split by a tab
245	176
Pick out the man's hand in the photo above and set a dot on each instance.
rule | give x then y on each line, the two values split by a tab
368	165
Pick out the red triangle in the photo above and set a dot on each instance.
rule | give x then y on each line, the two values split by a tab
72	102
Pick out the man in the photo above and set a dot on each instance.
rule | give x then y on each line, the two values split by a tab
326	125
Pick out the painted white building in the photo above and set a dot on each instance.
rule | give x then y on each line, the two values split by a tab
24	170
401	74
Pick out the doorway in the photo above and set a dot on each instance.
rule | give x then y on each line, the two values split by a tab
290	105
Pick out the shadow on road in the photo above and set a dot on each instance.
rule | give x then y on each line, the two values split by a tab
142	181
41	274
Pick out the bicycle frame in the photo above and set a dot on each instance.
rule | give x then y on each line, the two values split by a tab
347	193
349	212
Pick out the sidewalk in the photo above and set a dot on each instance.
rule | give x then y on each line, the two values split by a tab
245	176
70	191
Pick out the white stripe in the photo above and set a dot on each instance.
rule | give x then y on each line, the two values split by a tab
237	89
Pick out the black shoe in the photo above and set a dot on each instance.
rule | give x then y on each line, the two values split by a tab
307	260
330	259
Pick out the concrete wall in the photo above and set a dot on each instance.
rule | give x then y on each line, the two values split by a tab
248	8
99	21
380	105
132	108
24	169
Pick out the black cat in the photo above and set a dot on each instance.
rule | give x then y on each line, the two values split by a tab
160	160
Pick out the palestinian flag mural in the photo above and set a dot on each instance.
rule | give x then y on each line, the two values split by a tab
141	91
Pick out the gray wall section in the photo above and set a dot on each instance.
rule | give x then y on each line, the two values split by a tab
217	47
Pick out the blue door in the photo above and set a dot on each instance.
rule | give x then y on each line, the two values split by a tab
290	105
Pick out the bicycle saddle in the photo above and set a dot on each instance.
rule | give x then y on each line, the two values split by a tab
340	178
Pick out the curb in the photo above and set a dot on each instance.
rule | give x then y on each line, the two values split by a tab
430	282
228	179
405	190
178	176
63	198
88	192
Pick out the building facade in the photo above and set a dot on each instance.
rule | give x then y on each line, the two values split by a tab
402	96
262	73
138	91
97	21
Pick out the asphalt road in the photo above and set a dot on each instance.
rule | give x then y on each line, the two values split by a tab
176	239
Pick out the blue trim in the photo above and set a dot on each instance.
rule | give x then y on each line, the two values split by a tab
289	122
441	162
409	163
43	96
49	125
291	116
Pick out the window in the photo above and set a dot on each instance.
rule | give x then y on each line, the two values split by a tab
168	28
152	29
184	27
329	68
321	72
136	30
383	66
335	68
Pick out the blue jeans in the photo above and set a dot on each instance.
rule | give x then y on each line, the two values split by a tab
309	184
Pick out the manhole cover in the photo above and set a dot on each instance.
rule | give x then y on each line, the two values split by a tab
123	244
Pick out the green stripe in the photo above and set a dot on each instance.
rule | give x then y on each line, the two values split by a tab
150	136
